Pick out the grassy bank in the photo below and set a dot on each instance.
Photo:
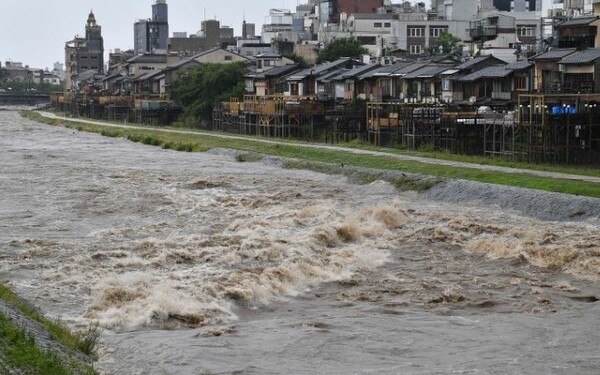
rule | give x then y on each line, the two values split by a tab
202	142
474	159
20	351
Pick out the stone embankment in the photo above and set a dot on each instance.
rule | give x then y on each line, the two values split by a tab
41	337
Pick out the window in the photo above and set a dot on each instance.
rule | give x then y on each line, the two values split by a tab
435	32
416	50
377	24
521	83
228	58
416	32
446	84
388	24
526	31
367	40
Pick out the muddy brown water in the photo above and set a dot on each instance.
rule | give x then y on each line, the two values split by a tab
196	263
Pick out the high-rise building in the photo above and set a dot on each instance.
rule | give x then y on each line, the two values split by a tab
358	6
329	10
85	54
248	30
513	5
455	10
151	35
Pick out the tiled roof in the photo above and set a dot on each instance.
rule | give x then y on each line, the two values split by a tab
426	72
149	75
208	51
554	54
181	63
279	71
387	69
333	76
319	70
469	63
518	65
578	21
403	70
489	72
111	77
353	73
148	59
585	56
449	72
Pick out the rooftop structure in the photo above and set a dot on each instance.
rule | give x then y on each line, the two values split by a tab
151	35
85	54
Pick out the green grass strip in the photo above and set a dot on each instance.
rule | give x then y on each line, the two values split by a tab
203	142
481	160
20	352
83	341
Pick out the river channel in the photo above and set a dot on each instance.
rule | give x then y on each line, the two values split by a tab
195	263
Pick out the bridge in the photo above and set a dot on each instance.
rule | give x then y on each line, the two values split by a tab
23	98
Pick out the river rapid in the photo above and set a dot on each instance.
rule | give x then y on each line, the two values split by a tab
200	264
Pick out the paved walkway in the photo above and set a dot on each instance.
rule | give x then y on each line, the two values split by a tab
345	149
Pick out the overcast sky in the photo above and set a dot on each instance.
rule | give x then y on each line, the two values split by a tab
34	32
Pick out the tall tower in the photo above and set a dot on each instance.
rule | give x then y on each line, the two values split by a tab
160	25
150	35
94	44
84	54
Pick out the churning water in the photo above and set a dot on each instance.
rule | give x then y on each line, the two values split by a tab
196	263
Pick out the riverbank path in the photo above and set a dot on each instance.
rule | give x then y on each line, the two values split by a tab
419	159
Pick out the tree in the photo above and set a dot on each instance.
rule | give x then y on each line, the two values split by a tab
200	88
445	43
25	86
301	61
343	47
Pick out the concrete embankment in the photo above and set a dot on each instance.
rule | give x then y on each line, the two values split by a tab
56	355
535	203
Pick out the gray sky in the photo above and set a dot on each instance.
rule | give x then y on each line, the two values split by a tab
34	32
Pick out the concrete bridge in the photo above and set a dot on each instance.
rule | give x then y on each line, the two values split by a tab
23	98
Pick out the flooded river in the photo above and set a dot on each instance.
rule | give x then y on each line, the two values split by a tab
199	264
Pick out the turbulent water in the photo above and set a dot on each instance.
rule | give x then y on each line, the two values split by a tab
197	263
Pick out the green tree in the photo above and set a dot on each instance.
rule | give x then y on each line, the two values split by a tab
342	47
298	60
445	43
24	86
200	88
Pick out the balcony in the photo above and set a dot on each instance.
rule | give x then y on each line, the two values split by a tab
483	32
568	87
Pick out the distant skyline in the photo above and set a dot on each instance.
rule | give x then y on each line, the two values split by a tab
34	32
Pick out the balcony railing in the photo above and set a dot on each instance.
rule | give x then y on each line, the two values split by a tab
483	31
502	95
568	87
